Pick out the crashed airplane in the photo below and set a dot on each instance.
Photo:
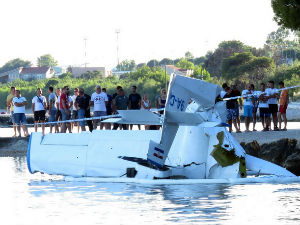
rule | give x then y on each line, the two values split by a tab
192	144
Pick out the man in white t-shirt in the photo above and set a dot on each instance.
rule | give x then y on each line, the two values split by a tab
273	96
248	107
263	106
99	100
39	106
19	103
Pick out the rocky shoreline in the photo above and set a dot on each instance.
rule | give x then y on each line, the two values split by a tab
284	152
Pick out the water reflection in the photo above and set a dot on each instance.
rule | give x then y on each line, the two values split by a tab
120	203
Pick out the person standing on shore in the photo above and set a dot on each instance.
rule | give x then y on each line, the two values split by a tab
39	106
272	101
283	104
121	102
19	103
52	109
75	112
255	105
134	102
99	100
248	107
230	108
263	106
10	108
65	109
108	108
238	106
80	104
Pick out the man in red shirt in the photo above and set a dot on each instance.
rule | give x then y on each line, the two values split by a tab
64	108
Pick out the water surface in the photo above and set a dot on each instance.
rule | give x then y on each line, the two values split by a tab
43	199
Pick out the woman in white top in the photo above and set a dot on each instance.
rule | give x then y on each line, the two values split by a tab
146	105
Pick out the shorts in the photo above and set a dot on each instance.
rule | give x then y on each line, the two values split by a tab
264	112
64	115
237	110
81	113
19	118
282	109
273	108
248	111
75	115
58	115
12	117
52	115
231	114
39	115
99	113
255	110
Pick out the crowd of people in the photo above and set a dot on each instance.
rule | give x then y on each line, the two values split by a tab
61	105
265	100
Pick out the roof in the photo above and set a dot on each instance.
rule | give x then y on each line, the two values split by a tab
35	70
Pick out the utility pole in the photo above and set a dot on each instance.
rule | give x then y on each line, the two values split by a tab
117	33
85	59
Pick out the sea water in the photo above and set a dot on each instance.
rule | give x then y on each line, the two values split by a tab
44	199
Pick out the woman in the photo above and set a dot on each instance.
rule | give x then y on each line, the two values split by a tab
146	105
162	100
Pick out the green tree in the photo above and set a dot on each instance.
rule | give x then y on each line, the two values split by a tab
15	63
92	75
152	63
185	64
281	44
225	49
200	73
188	55
166	61
247	68
46	60
140	65
126	65
287	13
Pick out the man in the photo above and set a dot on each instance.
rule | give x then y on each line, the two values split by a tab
19	103
238	104
255	105
75	112
283	102
39	106
80	104
57	103
272	101
65	109
134	102
121	102
223	92
52	109
263	106
108	108
248	107
88	111
10	107
231	112
99	100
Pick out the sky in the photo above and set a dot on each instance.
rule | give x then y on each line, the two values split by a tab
149	29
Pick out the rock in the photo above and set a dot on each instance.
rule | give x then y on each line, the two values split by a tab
274	152
13	146
292	163
252	148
